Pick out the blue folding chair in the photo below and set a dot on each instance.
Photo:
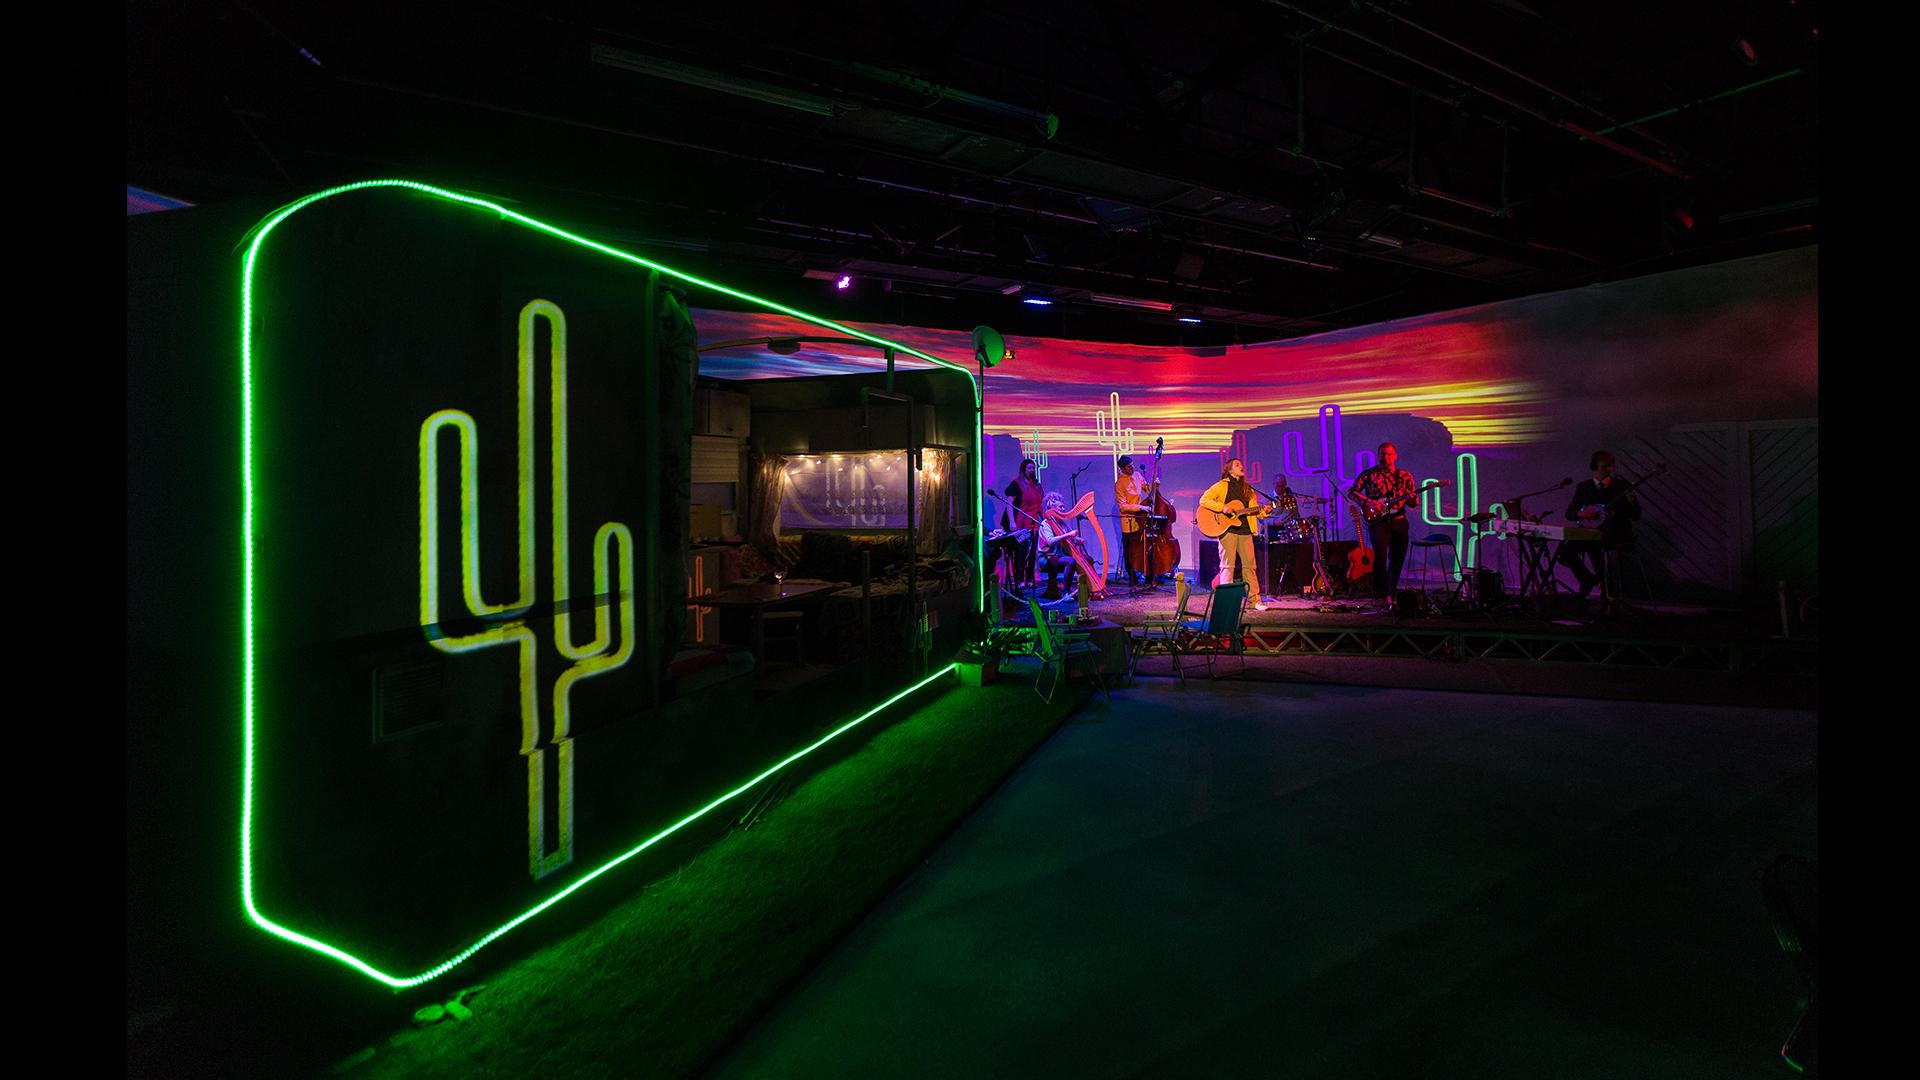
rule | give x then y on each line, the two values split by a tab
1215	634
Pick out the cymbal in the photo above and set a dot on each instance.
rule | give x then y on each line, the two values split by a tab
1480	519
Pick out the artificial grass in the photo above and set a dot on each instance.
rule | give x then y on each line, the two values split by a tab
664	982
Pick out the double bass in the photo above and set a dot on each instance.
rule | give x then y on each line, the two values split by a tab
1162	554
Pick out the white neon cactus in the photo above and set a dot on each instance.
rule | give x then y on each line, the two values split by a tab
1108	432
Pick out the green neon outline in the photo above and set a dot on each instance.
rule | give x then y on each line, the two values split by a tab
258	238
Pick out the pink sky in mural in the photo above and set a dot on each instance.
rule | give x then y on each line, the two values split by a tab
1732	341
1434	367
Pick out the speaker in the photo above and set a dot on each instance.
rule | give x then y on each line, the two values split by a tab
1209	561
1488	589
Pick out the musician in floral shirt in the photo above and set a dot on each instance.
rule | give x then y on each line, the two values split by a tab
1385	491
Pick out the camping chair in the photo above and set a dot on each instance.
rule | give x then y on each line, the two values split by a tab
1215	635
1057	649
1156	631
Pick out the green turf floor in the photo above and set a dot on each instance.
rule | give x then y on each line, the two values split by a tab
663	982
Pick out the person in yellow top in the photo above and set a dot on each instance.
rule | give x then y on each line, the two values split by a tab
1126	495
1236	544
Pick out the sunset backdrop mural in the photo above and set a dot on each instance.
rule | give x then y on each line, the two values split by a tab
1649	367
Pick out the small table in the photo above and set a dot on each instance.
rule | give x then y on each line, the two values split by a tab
755	599
1111	638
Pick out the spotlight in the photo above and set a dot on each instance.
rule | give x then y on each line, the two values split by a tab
846	281
1038	301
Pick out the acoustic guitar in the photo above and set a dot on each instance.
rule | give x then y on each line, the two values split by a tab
1360	559
1215	523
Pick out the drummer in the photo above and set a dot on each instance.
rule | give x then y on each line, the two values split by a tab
1126	495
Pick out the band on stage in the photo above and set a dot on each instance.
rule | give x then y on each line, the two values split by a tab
1040	532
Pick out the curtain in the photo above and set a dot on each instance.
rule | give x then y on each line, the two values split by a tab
769	483
935	512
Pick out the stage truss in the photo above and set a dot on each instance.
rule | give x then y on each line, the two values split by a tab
1772	657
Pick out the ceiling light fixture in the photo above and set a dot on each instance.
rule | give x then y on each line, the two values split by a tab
1132	302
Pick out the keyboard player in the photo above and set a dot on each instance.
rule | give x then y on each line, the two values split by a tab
1601	503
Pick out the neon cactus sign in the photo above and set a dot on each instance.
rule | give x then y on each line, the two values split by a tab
1107	431
1466	538
1293	453
506	624
1031	448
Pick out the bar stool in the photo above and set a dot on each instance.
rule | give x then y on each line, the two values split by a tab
1429	545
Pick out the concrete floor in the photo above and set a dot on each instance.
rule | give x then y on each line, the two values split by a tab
1245	879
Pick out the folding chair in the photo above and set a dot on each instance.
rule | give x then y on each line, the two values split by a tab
1217	634
1057	650
1156	631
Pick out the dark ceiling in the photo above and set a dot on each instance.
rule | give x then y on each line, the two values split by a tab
1271	169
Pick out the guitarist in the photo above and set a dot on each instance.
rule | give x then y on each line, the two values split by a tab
1237	542
1602	503
1385	491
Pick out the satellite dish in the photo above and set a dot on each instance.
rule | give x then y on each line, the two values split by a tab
989	348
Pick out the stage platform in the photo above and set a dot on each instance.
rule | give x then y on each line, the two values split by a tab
1571	630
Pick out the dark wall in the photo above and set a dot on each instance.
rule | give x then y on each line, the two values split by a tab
392	803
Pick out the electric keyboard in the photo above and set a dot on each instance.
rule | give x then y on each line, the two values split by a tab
1539	531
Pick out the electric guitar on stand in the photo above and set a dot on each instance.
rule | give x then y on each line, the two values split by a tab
1360	559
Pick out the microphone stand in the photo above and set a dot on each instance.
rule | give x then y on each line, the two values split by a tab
1033	546
1015	507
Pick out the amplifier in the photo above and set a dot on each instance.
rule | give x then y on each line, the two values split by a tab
1291	565
1209	557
